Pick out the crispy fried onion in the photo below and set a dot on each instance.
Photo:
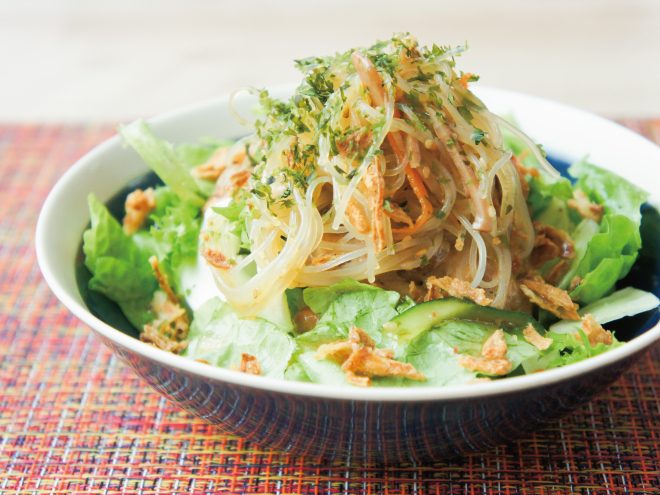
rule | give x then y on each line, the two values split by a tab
216	259
170	327
357	216
535	338
229	175
249	364
360	359
138	205
415	291
595	332
551	243
437	288
213	167
373	186
522	169
587	209
549	297
493	360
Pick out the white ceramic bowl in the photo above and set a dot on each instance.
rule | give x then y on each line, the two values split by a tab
565	132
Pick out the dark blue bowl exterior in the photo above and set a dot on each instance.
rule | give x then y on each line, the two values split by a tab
370	432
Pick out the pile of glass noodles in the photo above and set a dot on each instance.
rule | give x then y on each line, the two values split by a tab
382	167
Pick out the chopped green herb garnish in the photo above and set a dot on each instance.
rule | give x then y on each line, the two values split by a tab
478	135
465	113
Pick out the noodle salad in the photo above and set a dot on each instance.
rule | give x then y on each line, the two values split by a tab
379	228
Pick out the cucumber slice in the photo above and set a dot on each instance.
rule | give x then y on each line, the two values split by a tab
420	318
619	304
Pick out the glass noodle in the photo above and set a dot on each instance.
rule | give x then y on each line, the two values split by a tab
383	162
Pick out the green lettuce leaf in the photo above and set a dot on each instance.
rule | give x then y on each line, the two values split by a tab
616	194
321	334
582	235
237	214
233	211
315	370
174	233
566	348
319	299
120	269
349	303
605	252
558	215
194	154
608	257
546	192
339	306
432	355
218	336
294	299
296	372
468	337
163	159
609	254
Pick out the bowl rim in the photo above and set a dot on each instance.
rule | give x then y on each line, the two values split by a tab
313	390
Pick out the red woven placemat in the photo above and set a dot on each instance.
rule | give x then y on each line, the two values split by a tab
73	419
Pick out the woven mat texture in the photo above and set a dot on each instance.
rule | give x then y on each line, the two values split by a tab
73	419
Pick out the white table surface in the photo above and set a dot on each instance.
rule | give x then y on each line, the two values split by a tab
76	60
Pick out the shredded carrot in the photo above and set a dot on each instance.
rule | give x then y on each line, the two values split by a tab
465	79
417	184
372	80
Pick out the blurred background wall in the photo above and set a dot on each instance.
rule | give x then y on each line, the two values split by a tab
80	60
